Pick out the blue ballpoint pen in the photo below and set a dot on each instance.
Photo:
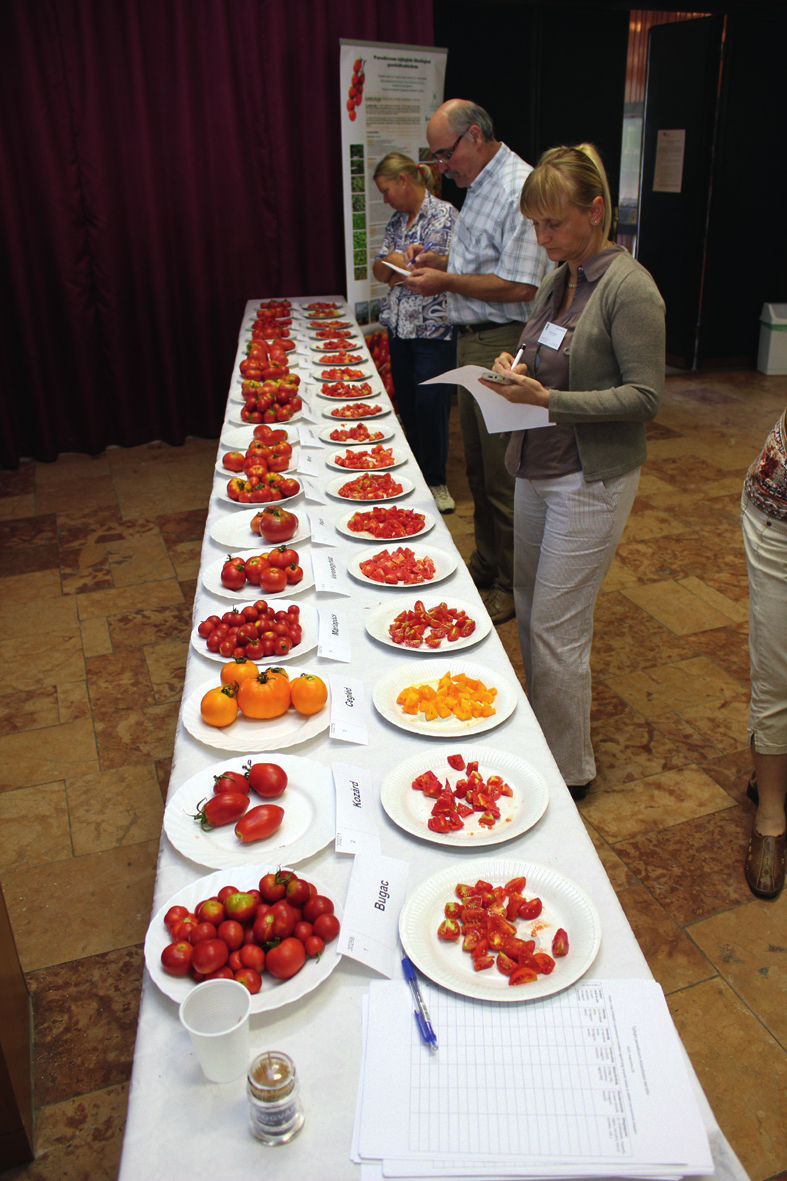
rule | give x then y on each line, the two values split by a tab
427	246
421	1011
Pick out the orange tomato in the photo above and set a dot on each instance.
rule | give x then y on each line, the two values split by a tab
309	693
219	707
264	696
237	671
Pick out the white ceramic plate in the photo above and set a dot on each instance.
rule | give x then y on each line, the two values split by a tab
400	456
444	564
333	486
309	816
352	345
411	809
381	617
225	498
386	431
342	526
312	326
310	625
211	580
233	416
565	905
322	375
221	470
390	686
250	735
328	413
274	993
345	397
233	530
238	438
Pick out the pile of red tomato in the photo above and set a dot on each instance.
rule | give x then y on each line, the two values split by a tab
262	487
401	565
371	487
273	570
342	374
254	632
356	410
355	96
387	522
340	389
239	934
377	343
378	457
342	359
355	434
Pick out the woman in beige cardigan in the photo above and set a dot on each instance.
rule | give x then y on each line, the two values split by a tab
594	357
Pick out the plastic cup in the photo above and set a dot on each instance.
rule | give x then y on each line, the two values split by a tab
216	1016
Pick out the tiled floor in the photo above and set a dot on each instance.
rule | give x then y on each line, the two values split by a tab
97	582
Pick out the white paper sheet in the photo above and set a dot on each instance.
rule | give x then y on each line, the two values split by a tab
357	829
499	415
370	927
334	635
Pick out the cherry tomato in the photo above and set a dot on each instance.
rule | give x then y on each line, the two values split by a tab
303	931
326	926
176	958
298	892
251	978
314	946
284	960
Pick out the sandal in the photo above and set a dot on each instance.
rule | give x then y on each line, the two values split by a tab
764	868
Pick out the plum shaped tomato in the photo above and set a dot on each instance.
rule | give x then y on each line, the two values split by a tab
269	780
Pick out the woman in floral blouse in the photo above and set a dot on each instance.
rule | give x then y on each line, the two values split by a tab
764	520
422	341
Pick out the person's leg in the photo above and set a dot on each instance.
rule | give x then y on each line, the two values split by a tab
433	406
529	519
402	374
491	486
765	545
584	523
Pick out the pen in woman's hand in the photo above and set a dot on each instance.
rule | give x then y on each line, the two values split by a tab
427	246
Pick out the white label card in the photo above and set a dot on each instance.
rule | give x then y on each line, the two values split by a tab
322	530
309	464
348	709
329	576
308	416
334	635
370	928
312	491
552	335
357	829
308	437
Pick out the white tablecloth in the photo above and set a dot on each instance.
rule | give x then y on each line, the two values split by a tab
181	1125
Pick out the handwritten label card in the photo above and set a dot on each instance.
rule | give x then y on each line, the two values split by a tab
348	709
357	830
334	635
307	412
308	437
309	464
322	530
328	574
370	928
312	491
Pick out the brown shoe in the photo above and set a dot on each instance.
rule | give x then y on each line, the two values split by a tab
764	867
500	605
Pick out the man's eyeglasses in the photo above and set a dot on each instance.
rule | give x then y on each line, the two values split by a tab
443	155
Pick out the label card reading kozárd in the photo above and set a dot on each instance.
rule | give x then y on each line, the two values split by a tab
323	531
370	927
357	830
328	576
334	635
348	709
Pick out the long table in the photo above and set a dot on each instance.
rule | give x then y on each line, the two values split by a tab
178	1123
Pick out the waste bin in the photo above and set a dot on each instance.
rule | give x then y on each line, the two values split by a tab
772	356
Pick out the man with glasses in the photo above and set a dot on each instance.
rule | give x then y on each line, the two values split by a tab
493	270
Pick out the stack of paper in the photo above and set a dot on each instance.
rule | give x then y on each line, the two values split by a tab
588	1083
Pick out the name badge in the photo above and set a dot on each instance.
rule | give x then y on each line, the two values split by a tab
552	336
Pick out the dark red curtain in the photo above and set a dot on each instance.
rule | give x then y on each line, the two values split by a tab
161	161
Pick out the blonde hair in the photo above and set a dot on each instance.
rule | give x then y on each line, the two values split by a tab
575	173
392	166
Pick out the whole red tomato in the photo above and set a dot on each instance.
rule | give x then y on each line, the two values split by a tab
230	781
273	581
240	906
233	573
232	934
318	904
225	892
176	914
201	932
298	892
259	823
326	927
284	919
252	956
286	959
209	955
251	978
277	524
176	958
211	911
269	780
273	886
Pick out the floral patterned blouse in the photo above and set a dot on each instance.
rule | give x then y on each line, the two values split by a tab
766	479
404	312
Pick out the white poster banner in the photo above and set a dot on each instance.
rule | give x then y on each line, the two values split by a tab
388	95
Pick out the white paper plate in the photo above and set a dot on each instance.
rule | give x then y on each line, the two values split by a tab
565	905
274	993
238	438
366	374
313	326
222	495
400	456
234	409
411	809
381	617
390	686
325	435
315	333
341	525
211	580
250	735
310	625
337	313
221	470
233	530
309	823
351	397
333	486
357	346
357	417
444	564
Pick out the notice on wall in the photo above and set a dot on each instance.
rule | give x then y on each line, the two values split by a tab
388	95
668	172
